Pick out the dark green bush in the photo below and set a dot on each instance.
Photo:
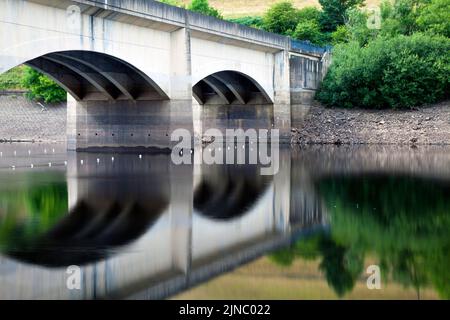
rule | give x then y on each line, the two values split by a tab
334	13
309	30
309	13
397	72
249	21
281	18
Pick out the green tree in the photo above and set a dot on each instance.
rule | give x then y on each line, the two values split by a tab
309	13
203	7
435	17
401	16
281	18
41	87
334	13
341	35
309	30
357	27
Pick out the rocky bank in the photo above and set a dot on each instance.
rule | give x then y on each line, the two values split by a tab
426	125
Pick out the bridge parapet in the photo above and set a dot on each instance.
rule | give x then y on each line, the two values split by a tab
174	17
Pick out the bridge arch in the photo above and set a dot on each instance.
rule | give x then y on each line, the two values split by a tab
230	87
89	75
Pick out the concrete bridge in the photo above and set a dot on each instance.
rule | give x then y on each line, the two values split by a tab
135	70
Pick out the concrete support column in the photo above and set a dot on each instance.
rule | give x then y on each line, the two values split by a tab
181	115
76	119
282	96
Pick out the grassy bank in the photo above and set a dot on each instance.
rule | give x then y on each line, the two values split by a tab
12	80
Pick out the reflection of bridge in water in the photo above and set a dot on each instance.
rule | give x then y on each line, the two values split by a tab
145	228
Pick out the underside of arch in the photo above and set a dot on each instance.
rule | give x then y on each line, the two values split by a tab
229	87
96	76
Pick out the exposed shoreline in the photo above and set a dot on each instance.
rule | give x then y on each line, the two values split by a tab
429	125
25	121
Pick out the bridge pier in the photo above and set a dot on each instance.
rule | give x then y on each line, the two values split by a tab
98	124
282	95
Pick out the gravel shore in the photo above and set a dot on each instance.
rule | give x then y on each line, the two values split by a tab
427	125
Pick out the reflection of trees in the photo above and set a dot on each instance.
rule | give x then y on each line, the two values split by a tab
403	220
29	212
340	264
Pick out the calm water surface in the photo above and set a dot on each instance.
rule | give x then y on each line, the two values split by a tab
142	227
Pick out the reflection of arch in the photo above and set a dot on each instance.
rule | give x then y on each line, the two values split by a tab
228	192
90	75
229	87
86	235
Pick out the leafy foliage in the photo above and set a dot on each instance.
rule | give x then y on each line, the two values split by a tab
398	72
41	87
203	7
435	17
334	13
341	35
281	18
11	80
249	21
400	17
309	30
309	13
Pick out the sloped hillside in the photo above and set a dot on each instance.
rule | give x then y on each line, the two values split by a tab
240	8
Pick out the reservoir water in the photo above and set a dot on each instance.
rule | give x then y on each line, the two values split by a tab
331	221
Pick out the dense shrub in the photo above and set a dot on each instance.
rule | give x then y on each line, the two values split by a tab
309	30
281	18
309	13
41	87
435	18
334	13
249	21
341	35
397	72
